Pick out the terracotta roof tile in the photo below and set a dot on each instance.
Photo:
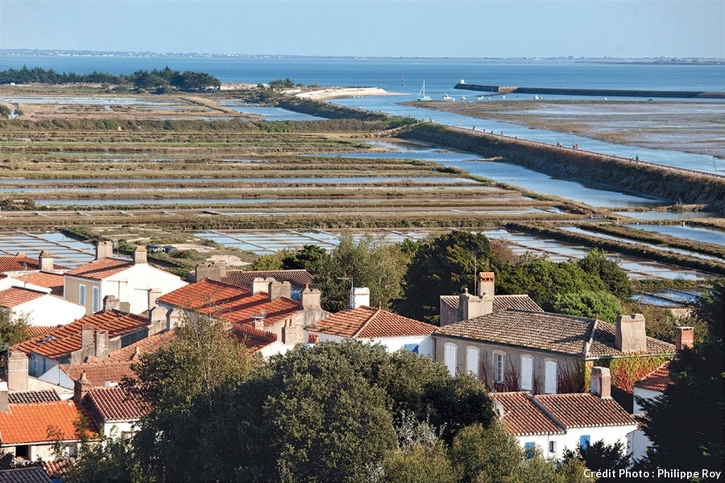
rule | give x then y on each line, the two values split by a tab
29	474
115	404
231	303
500	302
371	323
29	397
252	338
558	333
584	410
150	344
67	338
39	330
57	468
244	278
29	423
101	269
656	380
14	263
98	373
14	296
53	281
522	417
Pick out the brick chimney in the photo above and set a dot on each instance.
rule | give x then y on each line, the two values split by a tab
104	249
101	344
17	371
684	337
45	262
486	284
359	296
110	302
601	384
630	333
311	299
4	398
81	387
140	256
215	271
279	289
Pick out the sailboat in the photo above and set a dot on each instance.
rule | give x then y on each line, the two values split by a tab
421	94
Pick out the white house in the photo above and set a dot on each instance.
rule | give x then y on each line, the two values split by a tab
40	307
133	282
556	422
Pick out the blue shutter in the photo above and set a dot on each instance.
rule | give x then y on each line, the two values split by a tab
584	441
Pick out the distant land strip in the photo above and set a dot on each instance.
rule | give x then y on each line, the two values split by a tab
590	92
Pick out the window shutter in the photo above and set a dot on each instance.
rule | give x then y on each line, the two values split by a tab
450	356
472	360
550	378
527	373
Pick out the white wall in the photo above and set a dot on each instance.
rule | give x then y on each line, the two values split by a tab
638	440
391	344
50	310
55	376
132	282
609	434
542	442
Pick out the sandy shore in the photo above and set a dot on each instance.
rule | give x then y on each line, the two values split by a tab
337	92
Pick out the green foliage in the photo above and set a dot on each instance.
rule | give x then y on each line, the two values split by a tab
615	279
13	327
600	456
588	304
418	464
111	459
446	264
282	84
486	454
685	424
5	111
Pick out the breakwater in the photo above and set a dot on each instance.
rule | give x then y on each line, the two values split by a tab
590	92
677	185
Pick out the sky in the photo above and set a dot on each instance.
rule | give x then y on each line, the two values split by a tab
372	28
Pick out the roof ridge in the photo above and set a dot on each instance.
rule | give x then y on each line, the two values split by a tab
367	322
590	341
547	413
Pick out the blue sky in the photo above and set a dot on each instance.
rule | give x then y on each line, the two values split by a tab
409	28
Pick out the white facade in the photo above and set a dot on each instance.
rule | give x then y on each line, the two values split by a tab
573	437
424	343
49	310
638	441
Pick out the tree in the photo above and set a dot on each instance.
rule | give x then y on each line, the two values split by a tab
600	456
685	423
588	304
615	279
443	265
486	454
13	327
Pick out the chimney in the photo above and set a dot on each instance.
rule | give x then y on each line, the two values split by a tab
486	285
359	296
101	344
630	333
471	306
313	339
292	334
104	249
81	387
45	262
601	384
311	298
110	302
261	285
139	255
153	294
157	319
684	338
258	322
215	271
86	336
4	398
279	289
17	371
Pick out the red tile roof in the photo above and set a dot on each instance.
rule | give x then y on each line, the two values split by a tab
115	404
39	330
656	380
98	373
14	263
584	410
150	344
101	269
29	423
252	338
14	296
558	333
371	323
53	281
231	303
522	417
67	338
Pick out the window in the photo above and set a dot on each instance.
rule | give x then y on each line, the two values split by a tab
94	301
529	449
451	358
499	360
22	452
527	373
550	377
584	441
82	295
472	360
552	446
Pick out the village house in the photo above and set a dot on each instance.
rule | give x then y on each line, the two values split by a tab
514	350
95	335
299	279
39	307
33	273
554	423
130	281
265	317
454	308
25	420
112	409
374	325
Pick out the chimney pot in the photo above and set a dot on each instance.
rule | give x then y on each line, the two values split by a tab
684	338
601	383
